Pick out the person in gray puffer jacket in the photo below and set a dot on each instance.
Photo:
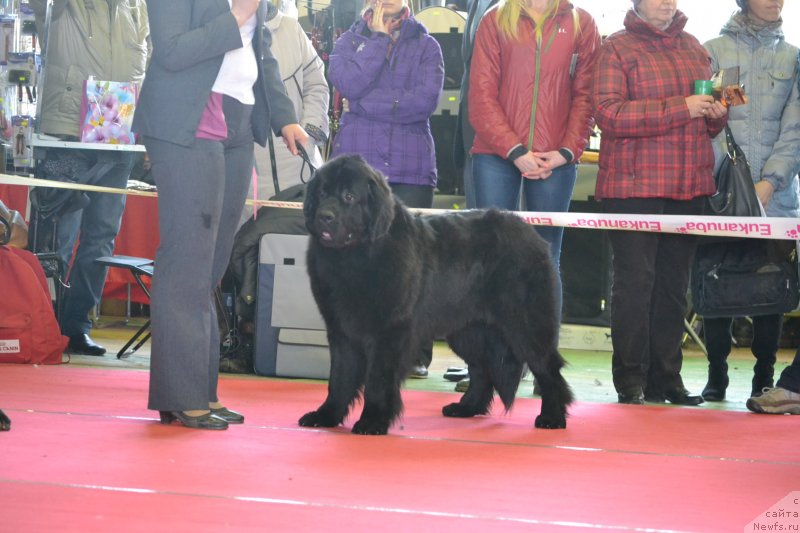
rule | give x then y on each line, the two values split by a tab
767	129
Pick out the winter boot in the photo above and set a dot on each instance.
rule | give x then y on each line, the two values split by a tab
714	391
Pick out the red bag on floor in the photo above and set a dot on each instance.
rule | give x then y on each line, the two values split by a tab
29	332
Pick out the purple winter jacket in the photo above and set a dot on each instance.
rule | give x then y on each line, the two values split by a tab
390	99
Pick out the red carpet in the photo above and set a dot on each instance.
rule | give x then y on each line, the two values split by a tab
84	454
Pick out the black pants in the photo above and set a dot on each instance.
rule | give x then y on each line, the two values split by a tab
790	377
651	279
766	340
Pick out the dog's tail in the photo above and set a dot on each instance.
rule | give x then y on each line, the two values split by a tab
506	373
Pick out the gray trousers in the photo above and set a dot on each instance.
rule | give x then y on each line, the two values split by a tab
201	193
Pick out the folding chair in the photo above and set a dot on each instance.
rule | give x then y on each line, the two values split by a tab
138	267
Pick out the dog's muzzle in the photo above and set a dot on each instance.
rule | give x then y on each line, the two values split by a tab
330	231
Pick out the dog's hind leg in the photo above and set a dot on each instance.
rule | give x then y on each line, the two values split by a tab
539	350
470	344
555	392
348	366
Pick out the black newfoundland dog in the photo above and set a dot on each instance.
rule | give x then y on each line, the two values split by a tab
387	281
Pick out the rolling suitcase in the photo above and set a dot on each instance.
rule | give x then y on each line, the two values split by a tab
290	336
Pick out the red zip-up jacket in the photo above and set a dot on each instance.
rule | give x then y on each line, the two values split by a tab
651	147
503	80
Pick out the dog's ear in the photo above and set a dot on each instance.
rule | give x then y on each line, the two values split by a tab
381	205
311	200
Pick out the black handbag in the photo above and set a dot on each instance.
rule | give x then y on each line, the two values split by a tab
736	194
745	277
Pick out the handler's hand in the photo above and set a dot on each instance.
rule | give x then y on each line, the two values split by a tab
292	134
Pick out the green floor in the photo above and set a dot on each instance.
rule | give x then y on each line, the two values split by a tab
587	372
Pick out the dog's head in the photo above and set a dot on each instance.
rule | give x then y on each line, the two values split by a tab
348	203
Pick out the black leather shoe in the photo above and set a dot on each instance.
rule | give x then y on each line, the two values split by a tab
456	374
681	396
83	344
654	397
634	397
231	417
206	421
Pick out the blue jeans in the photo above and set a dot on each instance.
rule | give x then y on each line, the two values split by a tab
497	183
96	226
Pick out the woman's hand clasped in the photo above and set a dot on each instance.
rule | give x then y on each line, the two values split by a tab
532	167
539	165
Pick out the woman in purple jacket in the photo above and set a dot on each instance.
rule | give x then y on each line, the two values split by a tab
390	71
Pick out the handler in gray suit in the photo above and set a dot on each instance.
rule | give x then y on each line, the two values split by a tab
212	88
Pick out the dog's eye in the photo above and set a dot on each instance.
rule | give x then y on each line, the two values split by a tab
349	197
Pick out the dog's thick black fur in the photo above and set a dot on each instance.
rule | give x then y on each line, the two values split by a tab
5	422
387	281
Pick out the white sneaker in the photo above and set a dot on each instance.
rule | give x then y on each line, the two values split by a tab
775	401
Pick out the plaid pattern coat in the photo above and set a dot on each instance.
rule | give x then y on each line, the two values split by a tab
651	147
392	89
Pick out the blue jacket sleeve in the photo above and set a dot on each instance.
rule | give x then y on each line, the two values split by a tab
784	161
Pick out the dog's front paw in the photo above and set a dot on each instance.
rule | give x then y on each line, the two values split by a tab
371	427
550	422
458	410
318	419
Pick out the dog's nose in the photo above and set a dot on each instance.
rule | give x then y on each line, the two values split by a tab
325	216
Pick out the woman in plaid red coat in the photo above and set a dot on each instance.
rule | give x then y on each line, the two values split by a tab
656	157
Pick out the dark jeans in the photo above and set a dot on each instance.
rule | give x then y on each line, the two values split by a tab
648	302
94	227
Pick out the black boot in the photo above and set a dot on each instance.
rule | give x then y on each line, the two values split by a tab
714	390
766	341
717	334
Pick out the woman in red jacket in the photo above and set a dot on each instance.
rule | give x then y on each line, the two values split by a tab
656	157
530	105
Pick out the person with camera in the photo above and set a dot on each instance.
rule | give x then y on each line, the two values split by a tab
767	129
